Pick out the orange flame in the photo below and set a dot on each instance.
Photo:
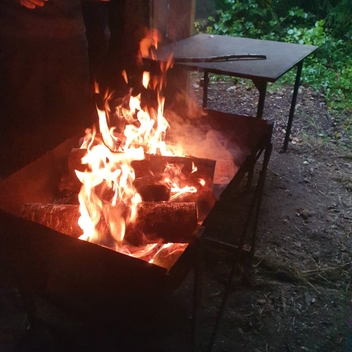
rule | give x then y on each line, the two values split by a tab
107	191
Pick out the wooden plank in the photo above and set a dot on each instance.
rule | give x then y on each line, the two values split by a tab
181	19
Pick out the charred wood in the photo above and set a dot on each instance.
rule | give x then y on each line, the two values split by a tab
156	164
156	222
151	192
150	173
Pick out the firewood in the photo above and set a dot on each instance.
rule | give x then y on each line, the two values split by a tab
60	217
155	165
149	173
156	222
164	222
151	192
151	165
69	181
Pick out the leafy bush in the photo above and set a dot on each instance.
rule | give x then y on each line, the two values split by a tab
329	69
244	19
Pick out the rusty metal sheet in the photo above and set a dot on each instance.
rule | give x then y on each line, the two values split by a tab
280	57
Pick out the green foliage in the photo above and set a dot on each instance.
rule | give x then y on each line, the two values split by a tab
326	24
339	18
244	18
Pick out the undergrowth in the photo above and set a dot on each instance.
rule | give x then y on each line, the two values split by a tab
328	70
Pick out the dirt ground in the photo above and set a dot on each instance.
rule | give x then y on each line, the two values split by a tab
300	297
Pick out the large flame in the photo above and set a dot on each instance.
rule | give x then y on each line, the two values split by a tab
107	191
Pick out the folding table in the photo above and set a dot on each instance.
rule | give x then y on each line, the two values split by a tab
262	61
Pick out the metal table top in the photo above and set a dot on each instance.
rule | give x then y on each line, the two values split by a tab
280	57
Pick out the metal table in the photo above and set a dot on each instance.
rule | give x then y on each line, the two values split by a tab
199	53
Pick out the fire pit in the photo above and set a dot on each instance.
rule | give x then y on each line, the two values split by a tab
91	280
107	226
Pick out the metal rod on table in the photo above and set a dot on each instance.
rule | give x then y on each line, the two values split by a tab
220	58
293	104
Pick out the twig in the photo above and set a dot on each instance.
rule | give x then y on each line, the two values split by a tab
300	231
324	279
286	342
289	349
322	193
325	269
259	262
275	173
262	259
283	300
348	156
312	286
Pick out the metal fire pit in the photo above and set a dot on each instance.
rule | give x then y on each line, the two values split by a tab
93	282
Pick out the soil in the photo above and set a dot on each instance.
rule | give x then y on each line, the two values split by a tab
299	297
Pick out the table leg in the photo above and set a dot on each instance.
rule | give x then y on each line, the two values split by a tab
260	190
261	86
197	292
205	89
293	104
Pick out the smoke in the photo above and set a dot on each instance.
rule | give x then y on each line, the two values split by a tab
191	134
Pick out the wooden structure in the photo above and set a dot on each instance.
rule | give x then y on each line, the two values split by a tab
173	18
128	21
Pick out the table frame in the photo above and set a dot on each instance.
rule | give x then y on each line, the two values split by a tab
261	86
196	53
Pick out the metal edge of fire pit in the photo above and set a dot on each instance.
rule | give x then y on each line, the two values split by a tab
256	134
258	138
78	276
37	180
38	263
81	278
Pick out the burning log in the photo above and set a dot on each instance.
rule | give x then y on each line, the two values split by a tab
155	222
150	172
195	172
155	164
172	222
151	192
152	165
60	217
70	182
